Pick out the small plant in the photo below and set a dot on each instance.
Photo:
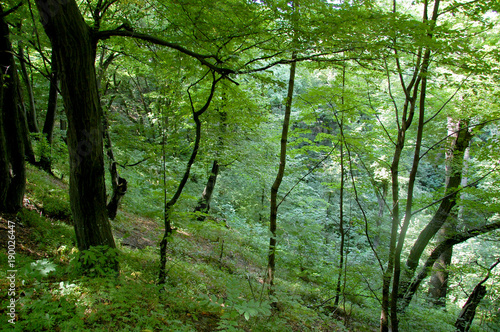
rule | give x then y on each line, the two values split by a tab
235	305
97	261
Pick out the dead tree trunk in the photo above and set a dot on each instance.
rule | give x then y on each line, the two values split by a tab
468	312
204	203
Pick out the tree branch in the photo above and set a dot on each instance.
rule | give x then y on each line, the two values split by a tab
10	11
442	247
101	35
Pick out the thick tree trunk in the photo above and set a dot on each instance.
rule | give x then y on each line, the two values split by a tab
204	203
12	154
73	45
438	284
48	127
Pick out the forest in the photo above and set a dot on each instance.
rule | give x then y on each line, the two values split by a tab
250	165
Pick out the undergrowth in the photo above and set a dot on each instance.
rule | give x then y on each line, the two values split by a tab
216	279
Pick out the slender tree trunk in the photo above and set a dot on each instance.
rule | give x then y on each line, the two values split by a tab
204	203
28	147
411	91
341	224
381	196
468	312
74	46
271	264
118	184
31	109
407	118
48	126
12	153
171	203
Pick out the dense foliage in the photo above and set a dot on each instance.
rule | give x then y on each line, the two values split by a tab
277	165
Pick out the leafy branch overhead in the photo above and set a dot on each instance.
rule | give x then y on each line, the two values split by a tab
305	165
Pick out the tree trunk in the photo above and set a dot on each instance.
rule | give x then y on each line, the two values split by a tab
171	203
341	223
468	312
48	127
440	248
31	109
73	45
457	150
119	184
438	284
271	265
204	203
12	153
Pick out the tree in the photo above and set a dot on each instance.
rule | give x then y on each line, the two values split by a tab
12	166
171	203
271	265
48	126
468	312
74	48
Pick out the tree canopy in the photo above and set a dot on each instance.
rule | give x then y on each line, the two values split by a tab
352	146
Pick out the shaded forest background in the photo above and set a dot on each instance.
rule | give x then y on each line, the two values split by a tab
250	165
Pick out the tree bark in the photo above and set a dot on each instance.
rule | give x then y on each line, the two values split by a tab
171	203
119	184
457	150
440	248
74	46
31	109
468	312
438	283
204	203
341	222
12	152
48	126
271	265
464	320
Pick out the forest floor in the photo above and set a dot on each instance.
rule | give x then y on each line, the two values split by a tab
215	278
